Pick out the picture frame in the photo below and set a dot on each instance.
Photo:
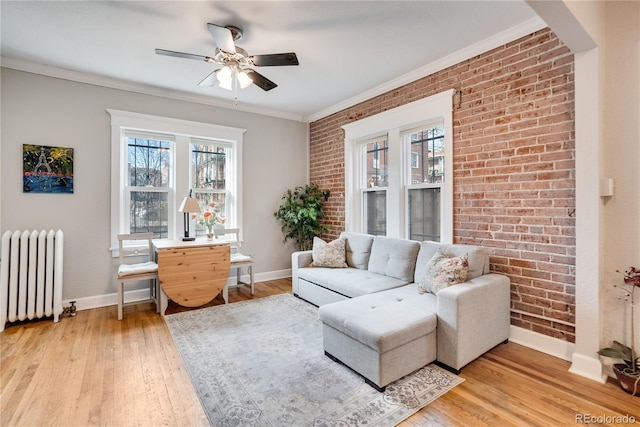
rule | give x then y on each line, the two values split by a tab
47	169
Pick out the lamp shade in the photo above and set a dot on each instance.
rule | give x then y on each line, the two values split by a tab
189	204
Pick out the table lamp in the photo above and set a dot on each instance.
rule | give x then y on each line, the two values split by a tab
189	205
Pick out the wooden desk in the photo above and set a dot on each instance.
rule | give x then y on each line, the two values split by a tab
191	273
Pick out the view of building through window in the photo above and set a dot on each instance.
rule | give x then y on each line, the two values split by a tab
149	162
427	155
209	177
424	189
375	195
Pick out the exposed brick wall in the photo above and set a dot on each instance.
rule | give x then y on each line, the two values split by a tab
514	170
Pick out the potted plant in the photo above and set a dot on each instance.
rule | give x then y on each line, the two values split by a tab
300	214
628	373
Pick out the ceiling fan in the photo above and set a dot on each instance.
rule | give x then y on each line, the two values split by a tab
235	61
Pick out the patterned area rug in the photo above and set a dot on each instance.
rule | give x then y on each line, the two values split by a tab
261	363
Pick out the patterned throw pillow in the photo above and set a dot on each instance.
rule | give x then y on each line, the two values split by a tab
331	254
444	270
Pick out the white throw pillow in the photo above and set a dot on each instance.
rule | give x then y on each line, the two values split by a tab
331	254
442	271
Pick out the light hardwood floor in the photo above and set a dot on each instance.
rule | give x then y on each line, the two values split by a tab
95	370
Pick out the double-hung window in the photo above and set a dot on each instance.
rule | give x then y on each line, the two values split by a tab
425	181
212	177
398	171
374	185
157	161
146	193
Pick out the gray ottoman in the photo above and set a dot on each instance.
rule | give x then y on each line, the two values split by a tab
382	336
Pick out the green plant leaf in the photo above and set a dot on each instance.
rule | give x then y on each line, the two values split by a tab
611	352
300	214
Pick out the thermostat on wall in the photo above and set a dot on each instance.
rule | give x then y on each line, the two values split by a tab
606	187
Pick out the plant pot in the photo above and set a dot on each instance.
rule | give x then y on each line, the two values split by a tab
628	381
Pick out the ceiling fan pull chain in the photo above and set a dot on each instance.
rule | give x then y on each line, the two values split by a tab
235	87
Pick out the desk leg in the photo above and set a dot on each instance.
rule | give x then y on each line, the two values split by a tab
164	302
225	294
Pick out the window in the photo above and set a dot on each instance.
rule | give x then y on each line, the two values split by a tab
424	186
210	177
397	184
373	186
415	160
148	183
156	161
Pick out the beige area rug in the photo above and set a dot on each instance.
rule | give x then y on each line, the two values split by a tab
261	363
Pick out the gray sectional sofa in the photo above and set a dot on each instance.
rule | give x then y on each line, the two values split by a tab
377	322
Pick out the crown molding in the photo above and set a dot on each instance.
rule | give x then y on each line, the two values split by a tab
530	26
113	83
480	47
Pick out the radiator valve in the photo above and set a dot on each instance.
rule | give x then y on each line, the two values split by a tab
71	310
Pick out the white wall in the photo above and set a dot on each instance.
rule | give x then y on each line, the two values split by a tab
605	37
621	146
55	112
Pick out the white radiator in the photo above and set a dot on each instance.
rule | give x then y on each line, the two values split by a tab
30	275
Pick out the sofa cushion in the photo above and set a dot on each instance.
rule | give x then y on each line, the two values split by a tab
477	258
394	257
350	282
443	271
330	254
358	248
385	320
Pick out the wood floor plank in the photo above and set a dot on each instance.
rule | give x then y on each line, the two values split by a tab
95	370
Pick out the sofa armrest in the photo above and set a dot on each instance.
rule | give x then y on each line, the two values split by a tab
473	317
299	259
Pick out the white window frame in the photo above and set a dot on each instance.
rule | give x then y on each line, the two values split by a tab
362	174
407	172
183	131
231	189
394	123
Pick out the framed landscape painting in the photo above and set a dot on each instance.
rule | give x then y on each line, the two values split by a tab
47	169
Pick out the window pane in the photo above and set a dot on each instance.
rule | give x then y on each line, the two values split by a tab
149	213
375	205
424	214
427	156
208	167
377	173
149	162
204	200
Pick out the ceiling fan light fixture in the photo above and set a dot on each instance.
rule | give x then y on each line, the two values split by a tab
226	84
233	60
224	74
244	79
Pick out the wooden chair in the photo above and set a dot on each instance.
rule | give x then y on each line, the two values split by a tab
135	272
238	260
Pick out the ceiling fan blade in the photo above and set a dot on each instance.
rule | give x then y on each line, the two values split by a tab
223	38
274	59
184	55
210	80
261	81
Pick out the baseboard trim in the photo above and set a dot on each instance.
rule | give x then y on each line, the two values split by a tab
549	345
107	300
582	365
588	367
97	301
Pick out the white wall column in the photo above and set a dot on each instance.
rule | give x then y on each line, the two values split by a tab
575	28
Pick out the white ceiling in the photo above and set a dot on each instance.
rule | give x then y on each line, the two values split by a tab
346	49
